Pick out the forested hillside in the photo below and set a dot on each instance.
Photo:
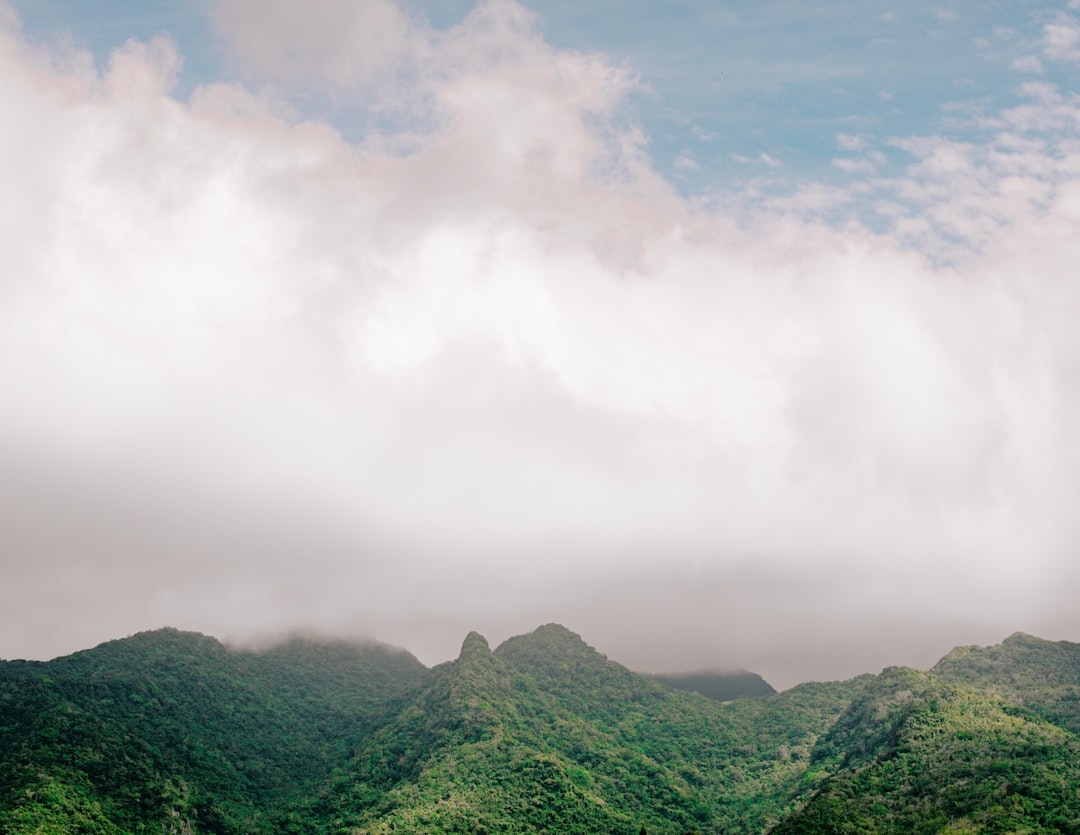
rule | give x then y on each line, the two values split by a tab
174	732
172	728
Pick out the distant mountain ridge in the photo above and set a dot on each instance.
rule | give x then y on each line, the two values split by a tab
173	732
724	687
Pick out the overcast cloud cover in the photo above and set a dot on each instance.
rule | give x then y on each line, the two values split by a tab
477	363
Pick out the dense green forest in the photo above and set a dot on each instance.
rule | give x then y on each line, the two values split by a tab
172	732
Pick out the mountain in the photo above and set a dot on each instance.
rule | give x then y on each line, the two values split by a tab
546	734
173	732
1043	676
916	754
724	687
172	729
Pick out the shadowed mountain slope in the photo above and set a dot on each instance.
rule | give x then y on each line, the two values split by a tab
724	687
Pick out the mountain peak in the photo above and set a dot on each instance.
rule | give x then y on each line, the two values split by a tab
1016	664
1019	638
557	630
474	644
147	647
555	636
553	648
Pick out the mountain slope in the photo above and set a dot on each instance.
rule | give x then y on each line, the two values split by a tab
172	732
724	687
1041	675
545	734
170	728
915	754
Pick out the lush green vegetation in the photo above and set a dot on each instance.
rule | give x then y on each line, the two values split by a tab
173	732
1041	675
172	729
547	735
917	755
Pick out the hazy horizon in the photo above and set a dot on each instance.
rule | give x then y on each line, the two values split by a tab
737	337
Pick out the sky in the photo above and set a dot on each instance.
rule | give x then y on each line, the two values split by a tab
729	335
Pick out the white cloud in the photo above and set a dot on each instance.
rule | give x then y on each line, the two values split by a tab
850	142
685	162
503	359
1029	64
762	158
1061	40
702	135
853	166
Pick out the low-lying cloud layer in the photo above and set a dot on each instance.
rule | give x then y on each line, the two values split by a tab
484	368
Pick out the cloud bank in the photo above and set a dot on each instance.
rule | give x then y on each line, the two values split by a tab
482	367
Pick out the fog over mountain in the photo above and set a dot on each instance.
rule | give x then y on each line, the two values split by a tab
397	329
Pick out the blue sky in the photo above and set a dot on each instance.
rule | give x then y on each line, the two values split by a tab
726	334
721	84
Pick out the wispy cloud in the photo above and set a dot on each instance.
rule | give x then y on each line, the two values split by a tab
1061	39
854	166
1028	64
762	158
685	162
850	142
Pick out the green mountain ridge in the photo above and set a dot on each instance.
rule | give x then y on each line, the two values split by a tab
170	731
